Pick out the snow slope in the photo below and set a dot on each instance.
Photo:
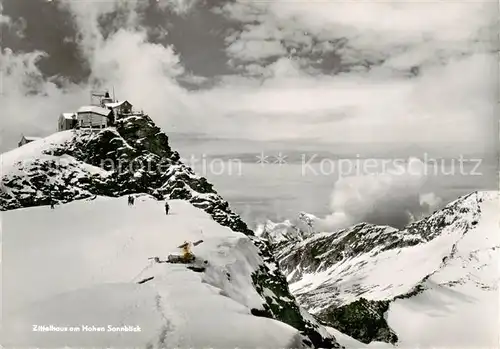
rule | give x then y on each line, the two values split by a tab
19	159
24	170
460	304
440	274
350	342
15	157
78	265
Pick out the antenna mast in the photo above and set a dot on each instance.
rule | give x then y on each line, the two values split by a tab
114	99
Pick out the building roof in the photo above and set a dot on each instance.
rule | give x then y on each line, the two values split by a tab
31	138
115	104
68	116
94	109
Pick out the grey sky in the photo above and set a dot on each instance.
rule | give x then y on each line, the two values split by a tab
350	72
196	36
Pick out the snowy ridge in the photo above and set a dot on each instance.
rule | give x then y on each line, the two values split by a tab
21	160
456	248
14	158
459	302
29	172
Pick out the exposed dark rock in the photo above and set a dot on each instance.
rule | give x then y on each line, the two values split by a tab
145	280
196	269
362	319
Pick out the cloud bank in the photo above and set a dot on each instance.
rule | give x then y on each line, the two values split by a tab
415	76
396	197
335	71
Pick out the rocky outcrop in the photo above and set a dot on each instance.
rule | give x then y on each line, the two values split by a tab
361	319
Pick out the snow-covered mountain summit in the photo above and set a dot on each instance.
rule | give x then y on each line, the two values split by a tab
362	279
86	175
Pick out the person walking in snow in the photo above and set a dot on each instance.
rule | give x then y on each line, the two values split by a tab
130	200
167	208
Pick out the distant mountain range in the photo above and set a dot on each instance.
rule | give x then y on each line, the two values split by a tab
373	282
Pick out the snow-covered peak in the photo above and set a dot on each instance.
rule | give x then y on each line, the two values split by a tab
280	232
331	273
298	229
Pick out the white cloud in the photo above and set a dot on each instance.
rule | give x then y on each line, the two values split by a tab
3	18
450	42
380	26
180	7
30	104
393	197
251	50
444	104
17	26
399	31
86	19
450	101
143	72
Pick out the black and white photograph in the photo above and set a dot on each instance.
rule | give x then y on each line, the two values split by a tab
249	174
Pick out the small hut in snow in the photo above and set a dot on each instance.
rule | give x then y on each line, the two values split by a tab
67	121
27	139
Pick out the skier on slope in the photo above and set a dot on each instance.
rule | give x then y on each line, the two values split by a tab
167	207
